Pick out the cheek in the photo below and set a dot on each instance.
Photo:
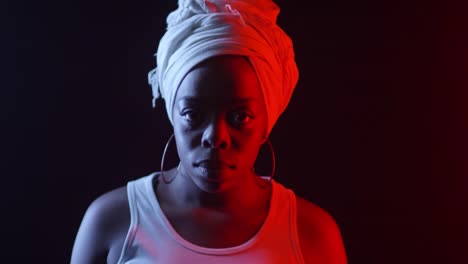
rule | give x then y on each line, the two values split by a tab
181	141
249	145
186	142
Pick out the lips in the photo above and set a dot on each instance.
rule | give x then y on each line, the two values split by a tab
214	164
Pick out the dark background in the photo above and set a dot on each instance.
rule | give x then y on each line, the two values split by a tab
375	132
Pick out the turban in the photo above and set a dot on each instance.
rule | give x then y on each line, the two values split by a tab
201	29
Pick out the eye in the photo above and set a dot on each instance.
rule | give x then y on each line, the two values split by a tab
241	118
191	116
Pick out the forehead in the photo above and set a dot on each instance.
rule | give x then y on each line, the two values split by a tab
224	79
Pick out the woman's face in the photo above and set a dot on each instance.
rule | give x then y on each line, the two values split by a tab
219	122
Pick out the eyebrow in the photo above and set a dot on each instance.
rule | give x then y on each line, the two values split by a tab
194	99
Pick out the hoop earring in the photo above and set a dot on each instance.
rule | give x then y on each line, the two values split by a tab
273	161
163	159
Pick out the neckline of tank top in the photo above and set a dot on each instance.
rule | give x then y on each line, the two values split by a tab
212	251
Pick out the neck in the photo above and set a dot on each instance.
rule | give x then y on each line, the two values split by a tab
244	194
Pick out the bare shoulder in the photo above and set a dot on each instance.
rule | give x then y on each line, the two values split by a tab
319	234
103	228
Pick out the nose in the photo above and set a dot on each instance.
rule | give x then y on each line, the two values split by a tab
216	134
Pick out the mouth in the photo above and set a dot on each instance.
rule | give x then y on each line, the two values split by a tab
213	166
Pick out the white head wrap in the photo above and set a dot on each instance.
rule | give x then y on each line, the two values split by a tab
201	29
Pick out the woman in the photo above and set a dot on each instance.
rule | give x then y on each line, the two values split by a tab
226	72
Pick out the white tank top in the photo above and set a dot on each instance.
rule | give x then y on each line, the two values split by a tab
152	239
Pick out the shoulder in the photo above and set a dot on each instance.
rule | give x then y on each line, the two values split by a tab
319	234
104	224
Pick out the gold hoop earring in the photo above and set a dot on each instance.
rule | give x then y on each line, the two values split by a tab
163	159
273	161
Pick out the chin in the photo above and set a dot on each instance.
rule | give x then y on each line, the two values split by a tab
210	187
213	183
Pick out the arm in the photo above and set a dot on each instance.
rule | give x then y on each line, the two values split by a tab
319	235
100	226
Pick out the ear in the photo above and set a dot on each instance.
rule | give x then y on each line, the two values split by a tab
265	138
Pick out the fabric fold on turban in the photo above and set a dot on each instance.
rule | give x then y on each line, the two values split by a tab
201	29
